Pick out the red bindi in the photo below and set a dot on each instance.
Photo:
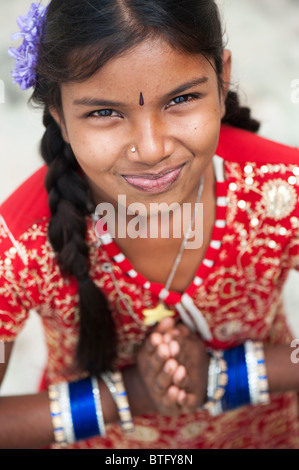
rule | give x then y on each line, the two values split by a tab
141	100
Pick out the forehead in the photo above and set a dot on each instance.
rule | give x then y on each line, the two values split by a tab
151	67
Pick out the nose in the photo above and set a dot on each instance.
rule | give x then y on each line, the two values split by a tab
151	141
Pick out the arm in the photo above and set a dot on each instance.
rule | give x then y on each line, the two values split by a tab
26	420
282	370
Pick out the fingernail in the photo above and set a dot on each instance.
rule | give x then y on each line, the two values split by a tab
169	367
174	348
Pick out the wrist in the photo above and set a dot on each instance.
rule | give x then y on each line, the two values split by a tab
77	412
237	377
206	369
139	398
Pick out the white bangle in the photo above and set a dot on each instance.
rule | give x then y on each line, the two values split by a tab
251	364
98	406
264	396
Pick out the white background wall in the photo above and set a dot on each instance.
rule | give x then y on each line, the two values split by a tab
263	36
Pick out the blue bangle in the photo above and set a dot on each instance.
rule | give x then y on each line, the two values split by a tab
83	409
237	389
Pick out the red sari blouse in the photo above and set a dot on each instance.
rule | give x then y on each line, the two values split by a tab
239	294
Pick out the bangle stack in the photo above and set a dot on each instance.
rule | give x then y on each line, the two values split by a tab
114	383
237	377
217	382
76	408
76	411
257	373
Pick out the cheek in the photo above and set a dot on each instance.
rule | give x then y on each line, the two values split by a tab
93	152
200	131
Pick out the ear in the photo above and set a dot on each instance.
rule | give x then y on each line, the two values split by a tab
226	77
56	115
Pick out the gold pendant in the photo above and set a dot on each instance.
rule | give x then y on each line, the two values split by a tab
155	315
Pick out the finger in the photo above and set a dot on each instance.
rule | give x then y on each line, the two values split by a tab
156	361
165	325
170	366
178	334
181	397
153	341
162	352
173	333
180	376
168	402
158	358
167	337
163	380
172	394
174	348
187	401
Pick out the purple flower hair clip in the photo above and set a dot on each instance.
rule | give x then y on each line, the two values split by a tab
26	55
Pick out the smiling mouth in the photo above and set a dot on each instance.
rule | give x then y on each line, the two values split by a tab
151	183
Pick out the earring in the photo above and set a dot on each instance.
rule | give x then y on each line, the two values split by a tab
133	149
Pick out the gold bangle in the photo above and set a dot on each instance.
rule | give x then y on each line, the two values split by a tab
115	384
217	383
56	416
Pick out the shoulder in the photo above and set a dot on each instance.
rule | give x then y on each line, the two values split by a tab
263	181
27	205
238	145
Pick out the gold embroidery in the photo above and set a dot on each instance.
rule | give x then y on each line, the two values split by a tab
228	330
227	289
278	198
144	434
192	430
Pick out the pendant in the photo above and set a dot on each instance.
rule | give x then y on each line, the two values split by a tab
155	315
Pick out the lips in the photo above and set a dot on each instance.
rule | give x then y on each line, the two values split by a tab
154	183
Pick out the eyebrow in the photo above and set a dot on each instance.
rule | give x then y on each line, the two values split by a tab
95	102
186	86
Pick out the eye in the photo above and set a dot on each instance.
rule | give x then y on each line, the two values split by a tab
103	113
183	99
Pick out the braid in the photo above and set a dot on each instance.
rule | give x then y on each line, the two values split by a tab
68	202
238	116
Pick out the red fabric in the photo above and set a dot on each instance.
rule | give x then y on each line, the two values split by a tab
240	297
242	146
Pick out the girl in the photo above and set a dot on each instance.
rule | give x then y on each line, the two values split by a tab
153	341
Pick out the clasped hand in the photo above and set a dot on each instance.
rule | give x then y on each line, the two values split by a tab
173	364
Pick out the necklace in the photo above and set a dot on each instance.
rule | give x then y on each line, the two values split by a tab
181	303
153	315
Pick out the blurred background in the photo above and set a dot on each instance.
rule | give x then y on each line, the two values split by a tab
263	36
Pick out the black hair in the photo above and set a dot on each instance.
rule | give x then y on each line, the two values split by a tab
79	37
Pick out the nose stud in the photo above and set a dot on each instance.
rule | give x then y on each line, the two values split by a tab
133	149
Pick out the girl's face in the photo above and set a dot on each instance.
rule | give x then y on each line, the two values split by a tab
163	103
